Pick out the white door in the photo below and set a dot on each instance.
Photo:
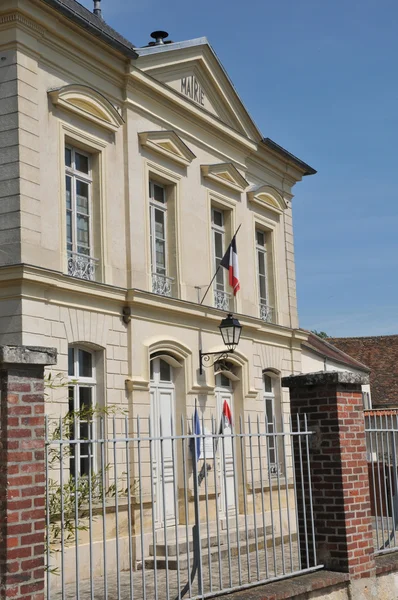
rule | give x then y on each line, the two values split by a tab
224	393
162	410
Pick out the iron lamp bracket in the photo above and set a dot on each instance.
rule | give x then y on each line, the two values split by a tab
209	359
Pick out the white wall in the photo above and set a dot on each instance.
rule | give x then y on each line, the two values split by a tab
312	363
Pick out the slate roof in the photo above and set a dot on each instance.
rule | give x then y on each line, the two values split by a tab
80	15
289	156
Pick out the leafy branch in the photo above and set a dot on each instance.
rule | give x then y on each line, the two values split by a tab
69	502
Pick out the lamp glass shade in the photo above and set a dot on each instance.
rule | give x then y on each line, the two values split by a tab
230	329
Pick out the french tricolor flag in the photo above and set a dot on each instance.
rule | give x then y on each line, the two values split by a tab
230	262
226	417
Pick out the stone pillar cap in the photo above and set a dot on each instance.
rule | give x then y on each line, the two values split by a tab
325	378
28	355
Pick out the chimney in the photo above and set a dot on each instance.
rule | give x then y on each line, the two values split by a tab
97	8
159	37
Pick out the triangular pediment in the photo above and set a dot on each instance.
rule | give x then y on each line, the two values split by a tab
194	71
225	174
87	103
267	196
169	144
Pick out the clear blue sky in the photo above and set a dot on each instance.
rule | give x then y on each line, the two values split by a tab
320	78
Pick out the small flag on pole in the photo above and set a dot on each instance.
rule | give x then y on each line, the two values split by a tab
230	262
197	431
226	417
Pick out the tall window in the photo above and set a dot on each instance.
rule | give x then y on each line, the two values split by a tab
221	296
161	283
78	186
269	402
82	385
266	311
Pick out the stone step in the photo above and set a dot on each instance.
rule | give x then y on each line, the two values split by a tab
172	563
213	540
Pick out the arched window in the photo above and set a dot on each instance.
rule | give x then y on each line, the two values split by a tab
224	373
163	422
82	398
269	409
161	371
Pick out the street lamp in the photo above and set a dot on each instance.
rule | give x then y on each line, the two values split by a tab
231	330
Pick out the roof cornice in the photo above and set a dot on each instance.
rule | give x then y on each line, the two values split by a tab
93	25
297	162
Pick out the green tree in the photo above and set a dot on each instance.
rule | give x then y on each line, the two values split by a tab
321	334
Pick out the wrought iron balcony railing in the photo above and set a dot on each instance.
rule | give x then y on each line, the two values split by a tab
82	266
266	312
161	284
222	300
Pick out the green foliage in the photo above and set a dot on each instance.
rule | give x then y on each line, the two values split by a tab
321	334
54	381
71	500
69	503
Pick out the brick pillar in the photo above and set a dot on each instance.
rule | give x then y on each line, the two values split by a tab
332	402
22	471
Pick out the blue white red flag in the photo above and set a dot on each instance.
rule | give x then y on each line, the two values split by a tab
230	262
226	417
197	431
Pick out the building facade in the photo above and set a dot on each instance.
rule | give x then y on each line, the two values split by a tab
124	173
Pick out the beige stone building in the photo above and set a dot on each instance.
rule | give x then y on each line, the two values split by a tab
124	173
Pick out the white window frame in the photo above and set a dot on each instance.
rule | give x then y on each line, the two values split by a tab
269	400
262	249
75	176
76	382
153	206
265	310
155	364
218	378
221	230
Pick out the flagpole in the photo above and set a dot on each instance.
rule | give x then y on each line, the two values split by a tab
196	528
218	268
209	286
196	566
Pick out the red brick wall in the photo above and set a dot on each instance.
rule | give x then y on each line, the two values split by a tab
341	497
380	354
22	483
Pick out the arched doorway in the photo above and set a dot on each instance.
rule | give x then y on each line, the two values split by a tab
162	394
224	393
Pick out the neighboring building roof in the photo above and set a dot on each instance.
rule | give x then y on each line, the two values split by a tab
327	350
84	18
287	155
380	353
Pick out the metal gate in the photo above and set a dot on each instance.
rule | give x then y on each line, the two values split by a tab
103	540
381	427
